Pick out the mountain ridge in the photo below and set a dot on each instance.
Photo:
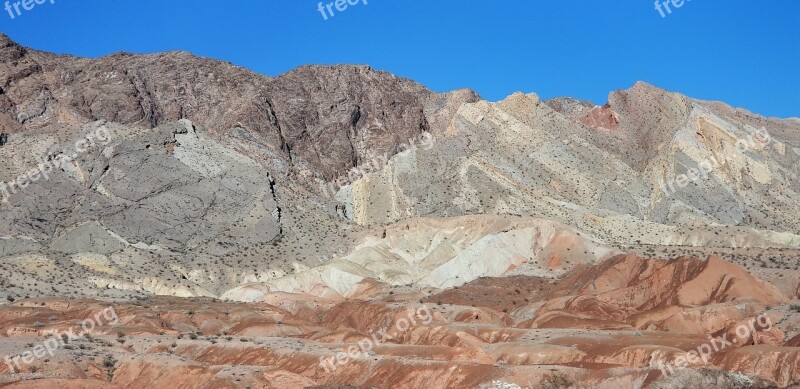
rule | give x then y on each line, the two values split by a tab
498	243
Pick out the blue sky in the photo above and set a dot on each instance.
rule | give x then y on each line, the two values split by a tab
746	53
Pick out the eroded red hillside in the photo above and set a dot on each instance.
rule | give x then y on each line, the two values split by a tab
621	323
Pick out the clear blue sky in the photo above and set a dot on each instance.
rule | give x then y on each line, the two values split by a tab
746	53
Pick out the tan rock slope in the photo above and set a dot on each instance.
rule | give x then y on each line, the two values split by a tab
441	253
621	185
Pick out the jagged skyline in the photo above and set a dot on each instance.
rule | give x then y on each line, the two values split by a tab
709	50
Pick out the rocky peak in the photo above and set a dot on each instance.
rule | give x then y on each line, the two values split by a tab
319	119
9	50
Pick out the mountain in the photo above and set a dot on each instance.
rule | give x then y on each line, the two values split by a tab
555	242
321	120
613	171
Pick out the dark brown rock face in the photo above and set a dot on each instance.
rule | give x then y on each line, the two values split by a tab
323	118
335	117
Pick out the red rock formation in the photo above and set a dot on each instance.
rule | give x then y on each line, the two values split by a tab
628	321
